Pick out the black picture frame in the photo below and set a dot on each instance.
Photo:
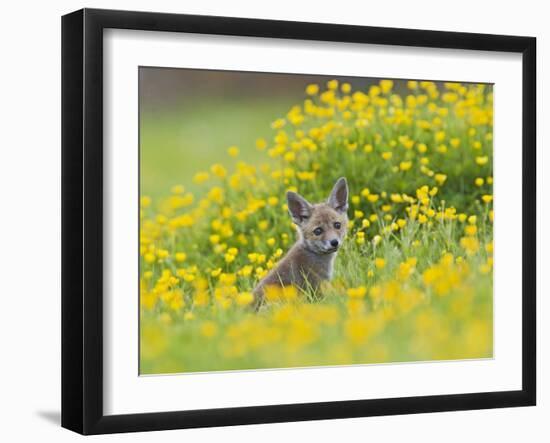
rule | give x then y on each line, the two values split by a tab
82	220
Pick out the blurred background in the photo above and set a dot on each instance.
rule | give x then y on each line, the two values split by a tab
189	117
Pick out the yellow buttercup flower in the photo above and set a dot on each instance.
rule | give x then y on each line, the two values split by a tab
470	244
275	293
278	124
178	189
332	84
145	201
372	198
358	292
440	178
470	230
201	177
180	256
209	329
346	88
245	298
218	170
482	160
312	89
233	151
405	166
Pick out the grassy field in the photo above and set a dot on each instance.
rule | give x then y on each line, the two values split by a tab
414	278
178	142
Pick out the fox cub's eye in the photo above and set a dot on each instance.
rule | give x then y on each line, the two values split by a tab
337	225
318	231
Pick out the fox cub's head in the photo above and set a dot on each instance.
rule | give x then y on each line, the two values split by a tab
322	226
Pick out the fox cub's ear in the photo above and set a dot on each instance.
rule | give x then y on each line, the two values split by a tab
300	209
338	199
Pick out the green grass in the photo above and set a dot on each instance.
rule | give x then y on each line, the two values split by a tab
178	142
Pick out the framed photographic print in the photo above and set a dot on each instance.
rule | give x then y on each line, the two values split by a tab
270	221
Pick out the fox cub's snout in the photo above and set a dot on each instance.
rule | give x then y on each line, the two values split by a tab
321	228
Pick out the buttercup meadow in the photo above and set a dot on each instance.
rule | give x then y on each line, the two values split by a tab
413	278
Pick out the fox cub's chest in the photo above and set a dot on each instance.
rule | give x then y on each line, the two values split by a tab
316	269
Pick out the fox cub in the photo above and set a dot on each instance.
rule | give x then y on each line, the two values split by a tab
321	231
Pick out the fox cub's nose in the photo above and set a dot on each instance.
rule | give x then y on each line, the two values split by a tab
334	243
